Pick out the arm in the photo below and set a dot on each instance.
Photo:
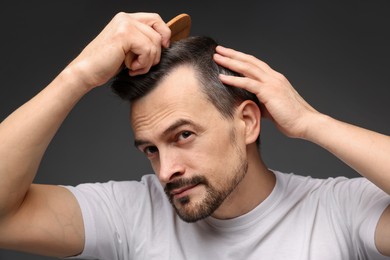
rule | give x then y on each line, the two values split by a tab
47	219
365	151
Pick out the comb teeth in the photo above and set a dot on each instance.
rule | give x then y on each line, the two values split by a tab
180	27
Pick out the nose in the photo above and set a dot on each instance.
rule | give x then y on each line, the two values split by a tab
171	166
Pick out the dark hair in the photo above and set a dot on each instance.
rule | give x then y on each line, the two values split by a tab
196	51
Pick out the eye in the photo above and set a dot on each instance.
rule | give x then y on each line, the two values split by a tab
184	135
150	150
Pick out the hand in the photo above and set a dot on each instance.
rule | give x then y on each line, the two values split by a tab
131	40
280	102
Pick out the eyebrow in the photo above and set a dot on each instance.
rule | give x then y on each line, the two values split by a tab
177	124
170	129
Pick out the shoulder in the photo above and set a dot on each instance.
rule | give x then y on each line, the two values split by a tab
297	183
358	193
342	189
146	182
119	192
293	180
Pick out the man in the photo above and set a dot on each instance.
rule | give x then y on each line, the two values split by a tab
226	203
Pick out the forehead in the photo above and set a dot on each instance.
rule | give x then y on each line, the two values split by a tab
177	96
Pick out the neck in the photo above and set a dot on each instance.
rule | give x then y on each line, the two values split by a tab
256	186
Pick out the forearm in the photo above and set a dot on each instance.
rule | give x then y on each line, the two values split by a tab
365	151
26	133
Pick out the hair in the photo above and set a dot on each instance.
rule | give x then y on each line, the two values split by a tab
197	52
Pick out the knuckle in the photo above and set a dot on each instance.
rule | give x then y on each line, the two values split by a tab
121	31
154	51
280	76
244	81
251	57
279	83
244	67
156	61
156	39
120	16
156	16
120	25
149	51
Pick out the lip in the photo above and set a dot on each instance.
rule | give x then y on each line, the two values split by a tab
182	191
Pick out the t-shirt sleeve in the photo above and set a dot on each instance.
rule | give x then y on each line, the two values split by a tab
102	237
364	204
106	230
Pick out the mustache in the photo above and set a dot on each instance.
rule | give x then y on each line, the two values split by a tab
179	183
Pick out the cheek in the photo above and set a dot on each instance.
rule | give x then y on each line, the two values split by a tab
211	157
155	164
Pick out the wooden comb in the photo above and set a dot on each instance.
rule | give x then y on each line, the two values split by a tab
180	27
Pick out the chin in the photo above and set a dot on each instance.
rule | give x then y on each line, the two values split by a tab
190	210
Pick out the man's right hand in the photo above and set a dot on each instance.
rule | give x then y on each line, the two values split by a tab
46	219
131	40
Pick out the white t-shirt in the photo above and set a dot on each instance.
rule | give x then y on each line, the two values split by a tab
303	218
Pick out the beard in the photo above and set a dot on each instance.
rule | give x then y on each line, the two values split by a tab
215	195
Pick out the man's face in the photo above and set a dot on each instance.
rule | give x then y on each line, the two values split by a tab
196	153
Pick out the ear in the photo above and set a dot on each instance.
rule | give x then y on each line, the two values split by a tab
250	115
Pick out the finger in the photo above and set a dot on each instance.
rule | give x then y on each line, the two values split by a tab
237	55
152	48
250	85
245	68
143	61
164	32
157	24
129	60
144	51
134	66
141	39
246	83
139	55
138	72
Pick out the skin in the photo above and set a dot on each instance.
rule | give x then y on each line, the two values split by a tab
47	220
190	149
44	219
365	151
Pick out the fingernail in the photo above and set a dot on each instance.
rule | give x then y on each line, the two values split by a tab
222	76
217	56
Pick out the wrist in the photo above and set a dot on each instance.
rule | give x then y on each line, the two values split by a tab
75	78
319	125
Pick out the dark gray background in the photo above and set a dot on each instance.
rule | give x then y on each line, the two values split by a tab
335	53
